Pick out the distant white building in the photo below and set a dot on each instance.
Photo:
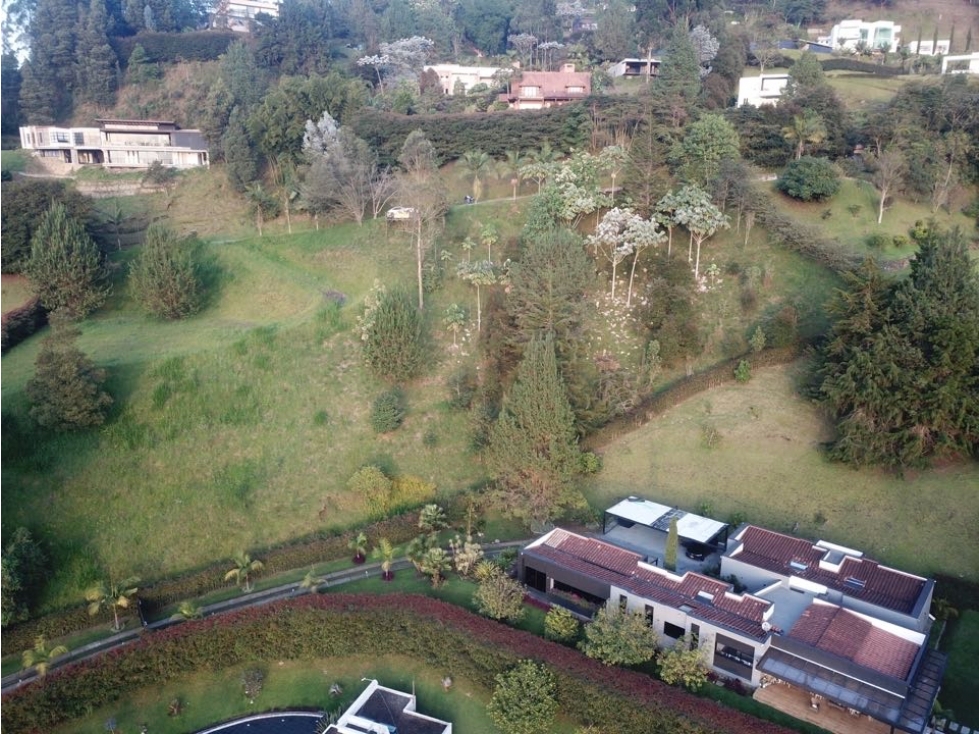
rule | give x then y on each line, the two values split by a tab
761	90
469	76
382	710
238	15
635	67
961	64
848	34
931	48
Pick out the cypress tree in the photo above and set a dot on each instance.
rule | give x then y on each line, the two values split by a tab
533	451
672	546
164	277
239	152
96	59
65	268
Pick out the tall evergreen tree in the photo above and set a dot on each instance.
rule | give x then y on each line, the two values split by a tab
66	390
10	82
65	268
533	451
900	372
53	31
678	85
164	277
96	59
239	152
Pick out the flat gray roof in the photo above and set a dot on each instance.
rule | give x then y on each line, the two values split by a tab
654	515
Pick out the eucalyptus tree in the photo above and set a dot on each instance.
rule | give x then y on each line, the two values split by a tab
701	217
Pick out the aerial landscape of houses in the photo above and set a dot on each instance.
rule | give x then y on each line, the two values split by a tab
492	366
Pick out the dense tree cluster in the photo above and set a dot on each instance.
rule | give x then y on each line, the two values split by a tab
900	370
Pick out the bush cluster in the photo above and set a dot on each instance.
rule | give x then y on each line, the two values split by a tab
441	635
388	411
19	323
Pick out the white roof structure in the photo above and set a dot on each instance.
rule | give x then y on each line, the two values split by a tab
655	515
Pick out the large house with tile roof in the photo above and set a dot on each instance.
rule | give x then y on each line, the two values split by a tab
534	90
818	630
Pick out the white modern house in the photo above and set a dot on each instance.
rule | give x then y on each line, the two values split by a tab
848	34
118	144
382	710
238	15
930	48
961	64
817	629
764	89
453	75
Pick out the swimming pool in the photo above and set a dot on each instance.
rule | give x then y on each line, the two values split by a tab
284	722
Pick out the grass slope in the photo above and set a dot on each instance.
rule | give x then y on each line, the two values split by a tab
768	468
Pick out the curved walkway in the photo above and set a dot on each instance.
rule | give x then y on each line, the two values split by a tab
256	598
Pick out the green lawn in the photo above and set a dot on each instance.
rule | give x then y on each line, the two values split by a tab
209	697
768	468
14	161
960	689
852	228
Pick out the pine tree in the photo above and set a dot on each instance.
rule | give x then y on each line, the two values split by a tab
10	82
164	278
65	268
38	99
239	153
66	390
678	85
533	450
96	59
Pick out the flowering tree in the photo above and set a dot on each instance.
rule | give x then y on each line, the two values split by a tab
406	54
701	217
706	47
621	233
478	273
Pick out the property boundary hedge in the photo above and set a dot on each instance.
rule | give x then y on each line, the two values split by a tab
398	529
19	323
865	67
172	47
318	626
684	389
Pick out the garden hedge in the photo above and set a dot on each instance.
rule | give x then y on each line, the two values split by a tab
444	636
173	47
19	323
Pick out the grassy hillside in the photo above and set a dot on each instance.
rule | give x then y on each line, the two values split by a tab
767	467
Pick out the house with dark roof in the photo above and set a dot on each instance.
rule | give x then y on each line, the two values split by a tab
382	710
534	90
819	630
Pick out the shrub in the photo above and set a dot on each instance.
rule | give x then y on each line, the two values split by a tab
370	484
524	700
462	385
164	277
388	411
742	373
500	597
19	323
877	241
618	637
591	463
809	179
683	666
561	625
394	336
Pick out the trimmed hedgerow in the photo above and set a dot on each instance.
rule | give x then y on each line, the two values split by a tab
440	634
19	323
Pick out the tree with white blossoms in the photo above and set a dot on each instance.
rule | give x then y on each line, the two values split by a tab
642	233
547	50
706	47
621	233
524	43
578	184
405	54
377	61
701	217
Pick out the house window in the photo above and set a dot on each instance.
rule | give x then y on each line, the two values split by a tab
535	579
530	91
649	615
576	90
694	636
623	602
673	630
61	137
733	657
79	138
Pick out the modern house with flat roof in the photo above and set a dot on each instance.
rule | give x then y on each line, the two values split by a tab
961	64
118	144
764	89
635	67
381	710
820	631
850	34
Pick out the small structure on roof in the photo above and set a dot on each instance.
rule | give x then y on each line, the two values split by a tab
692	528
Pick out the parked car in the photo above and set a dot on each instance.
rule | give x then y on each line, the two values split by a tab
400	213
698	551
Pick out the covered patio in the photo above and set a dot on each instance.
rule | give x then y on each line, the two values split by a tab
803	705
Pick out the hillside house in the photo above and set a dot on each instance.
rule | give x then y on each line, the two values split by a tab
850	34
239	15
453	76
961	64
820	632
765	89
118	144
534	90
635	67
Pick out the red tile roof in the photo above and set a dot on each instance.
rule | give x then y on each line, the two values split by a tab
882	586
840	632
613	565
554	83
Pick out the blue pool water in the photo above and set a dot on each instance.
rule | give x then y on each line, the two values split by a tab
282	723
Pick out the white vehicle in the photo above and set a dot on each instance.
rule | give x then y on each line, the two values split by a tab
400	213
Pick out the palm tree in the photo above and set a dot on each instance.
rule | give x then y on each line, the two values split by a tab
805	128
116	595
432	518
385	552
243	569
310	581
39	657
358	545
511	165
434	563
475	162
188	610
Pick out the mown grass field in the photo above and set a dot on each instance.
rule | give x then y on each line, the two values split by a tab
852	227
768	468
208	697
960	689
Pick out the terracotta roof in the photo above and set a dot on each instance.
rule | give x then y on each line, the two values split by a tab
835	630
873	583
555	83
613	565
